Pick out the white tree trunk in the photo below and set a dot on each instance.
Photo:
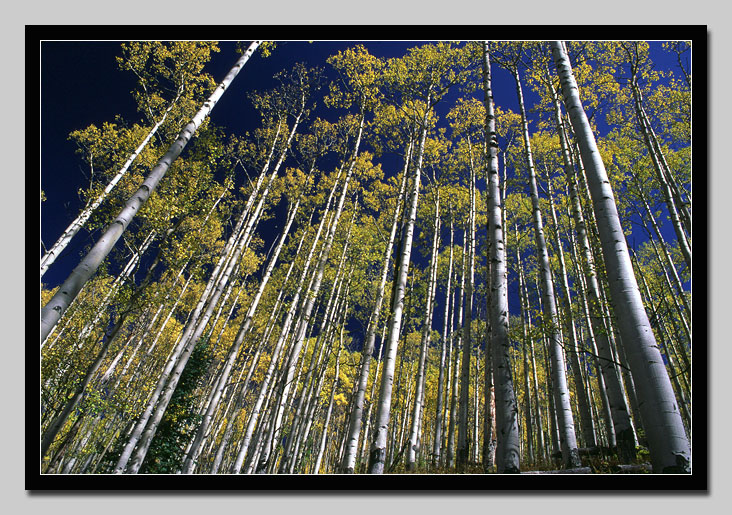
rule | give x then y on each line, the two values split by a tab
563	409
326	422
669	446
663	176
469	244
377	455
417	415
439	426
355	420
508	450
55	251
55	308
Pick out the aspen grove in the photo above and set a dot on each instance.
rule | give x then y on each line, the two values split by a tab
473	257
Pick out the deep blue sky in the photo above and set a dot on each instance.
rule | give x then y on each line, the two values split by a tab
81	85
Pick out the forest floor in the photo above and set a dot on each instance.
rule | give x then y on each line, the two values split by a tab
599	464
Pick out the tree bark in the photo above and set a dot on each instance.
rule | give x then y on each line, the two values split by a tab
377	455
417	413
669	446
437	448
55	308
355	419
507	451
563	409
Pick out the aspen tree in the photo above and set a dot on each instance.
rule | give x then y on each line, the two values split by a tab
314	289
223	375
55	308
195	55
426	74
570	453
468	118
525	336
667	440
50	434
377	455
622	432
234	243
439	425
507	450
355	419
264	388
585	415
417	413
326	326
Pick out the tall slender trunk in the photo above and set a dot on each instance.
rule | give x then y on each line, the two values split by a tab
662	175
355	419
316	468
588	431
462	447
437	448
622	433
197	326
669	445
524	344
452	428
333	305
489	419
563	409
55	251
667	262
507	451
417	413
601	366
365	444
55	308
524	294
377	455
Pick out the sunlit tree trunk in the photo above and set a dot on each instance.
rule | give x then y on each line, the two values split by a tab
524	344
437	448
588	431
367	428
327	326
462	447
454	398
55	308
669	446
356	414
329	411
377	455
563	409
507	451
197	325
110	336
417	413
622	433
662	172
312	294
